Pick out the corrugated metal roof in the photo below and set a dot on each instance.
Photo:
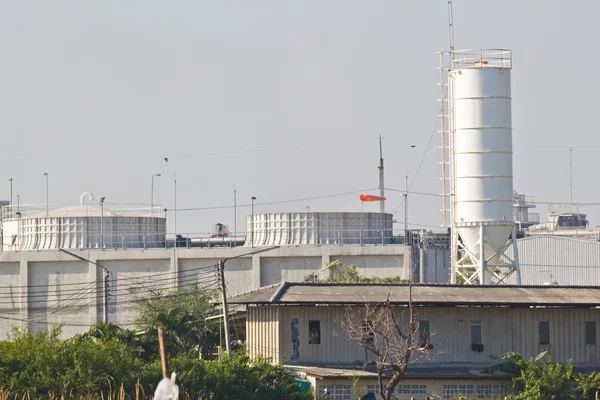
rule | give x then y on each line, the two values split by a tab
429	370
345	293
262	295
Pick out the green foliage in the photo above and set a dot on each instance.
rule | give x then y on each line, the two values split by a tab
107	357
340	272
544	380
43	363
588	385
183	313
537	378
238	378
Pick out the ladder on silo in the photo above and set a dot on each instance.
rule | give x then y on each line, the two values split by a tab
445	141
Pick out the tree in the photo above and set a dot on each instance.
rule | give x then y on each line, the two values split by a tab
78	367
183	313
143	346
394	342
588	385
340	272
538	378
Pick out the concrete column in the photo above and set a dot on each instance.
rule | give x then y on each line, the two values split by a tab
325	261
175	268
421	265
24	282
255	271
95	275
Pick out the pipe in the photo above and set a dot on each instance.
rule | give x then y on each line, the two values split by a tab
565	232
89	195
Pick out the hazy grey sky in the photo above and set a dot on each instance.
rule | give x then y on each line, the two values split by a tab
292	93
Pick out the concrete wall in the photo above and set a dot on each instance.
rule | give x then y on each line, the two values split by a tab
412	388
11	300
56	294
503	330
51	287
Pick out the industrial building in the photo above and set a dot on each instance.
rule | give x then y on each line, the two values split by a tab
54	263
564	261
66	265
468	328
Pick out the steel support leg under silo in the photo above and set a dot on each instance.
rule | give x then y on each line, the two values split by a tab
475	266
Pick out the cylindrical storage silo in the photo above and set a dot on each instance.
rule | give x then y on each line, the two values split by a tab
483	173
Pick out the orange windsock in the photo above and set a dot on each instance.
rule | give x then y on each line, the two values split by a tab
368	197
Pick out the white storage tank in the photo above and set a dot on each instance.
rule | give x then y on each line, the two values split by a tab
319	228
481	123
84	226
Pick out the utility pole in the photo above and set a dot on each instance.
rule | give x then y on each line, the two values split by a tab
175	206
381	184
234	212
406	207
102	223
46	175
225	308
105	285
571	174
252	219
11	197
105	298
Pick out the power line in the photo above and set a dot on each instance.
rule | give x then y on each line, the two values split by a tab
164	284
420	163
114	280
124	299
274	202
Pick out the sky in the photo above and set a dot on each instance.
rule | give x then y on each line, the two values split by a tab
286	99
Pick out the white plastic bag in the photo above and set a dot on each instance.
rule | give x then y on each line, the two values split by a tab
167	389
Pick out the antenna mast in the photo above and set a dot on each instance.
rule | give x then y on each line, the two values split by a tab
381	185
451	26
571	174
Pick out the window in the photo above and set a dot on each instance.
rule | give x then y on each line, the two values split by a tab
335	392
476	336
544	332
453	391
590	333
368	333
400	389
373	389
495	392
314	332
411	389
424	334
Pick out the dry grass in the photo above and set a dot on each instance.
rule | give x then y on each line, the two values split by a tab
114	393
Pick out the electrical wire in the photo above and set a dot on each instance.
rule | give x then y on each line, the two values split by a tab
120	302
141	280
437	121
151	276
163	284
273	202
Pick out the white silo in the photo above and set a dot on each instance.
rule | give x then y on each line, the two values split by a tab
480	124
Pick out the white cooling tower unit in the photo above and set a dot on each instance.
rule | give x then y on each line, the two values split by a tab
481	165
88	225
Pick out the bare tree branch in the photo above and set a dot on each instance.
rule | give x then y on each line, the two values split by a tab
392	339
